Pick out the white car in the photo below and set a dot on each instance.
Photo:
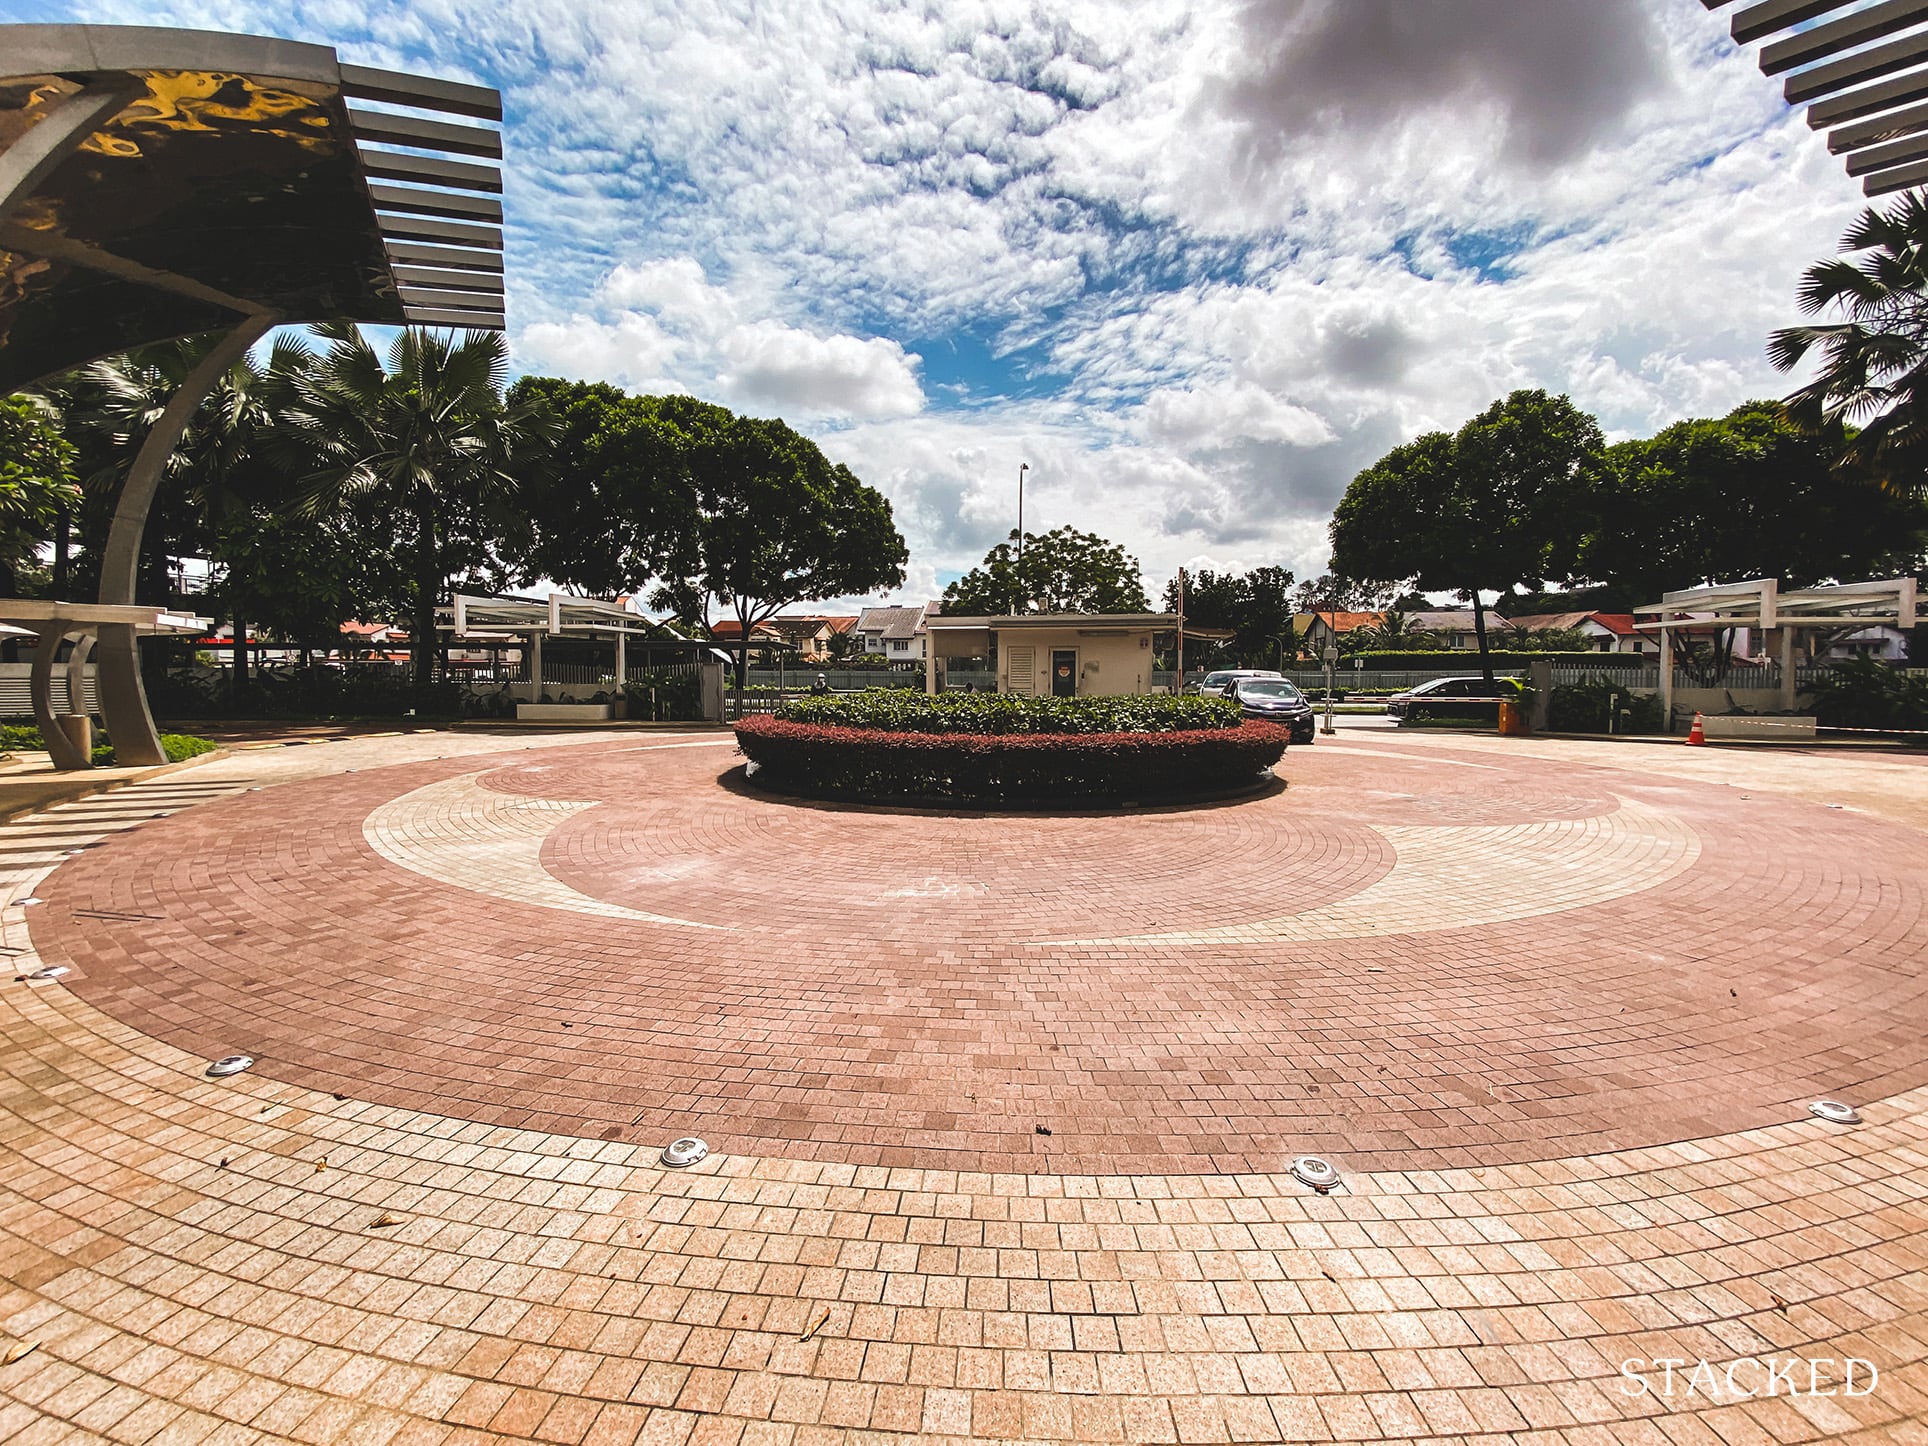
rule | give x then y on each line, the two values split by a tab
1217	685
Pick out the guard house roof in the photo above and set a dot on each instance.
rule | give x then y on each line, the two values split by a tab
1109	622
226	176
954	636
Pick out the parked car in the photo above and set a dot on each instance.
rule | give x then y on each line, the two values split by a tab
1276	701
1453	698
1219	684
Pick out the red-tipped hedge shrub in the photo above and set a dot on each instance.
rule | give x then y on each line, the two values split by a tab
868	763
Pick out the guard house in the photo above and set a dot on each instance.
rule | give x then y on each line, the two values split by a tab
1066	655
169	183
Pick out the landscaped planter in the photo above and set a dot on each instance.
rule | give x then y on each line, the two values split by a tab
565	712
876	765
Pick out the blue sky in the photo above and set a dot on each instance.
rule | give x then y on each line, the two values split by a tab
1195	263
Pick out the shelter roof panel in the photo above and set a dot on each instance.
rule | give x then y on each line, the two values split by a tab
219	176
1849	60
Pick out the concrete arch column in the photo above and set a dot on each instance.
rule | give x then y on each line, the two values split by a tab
61	749
117	671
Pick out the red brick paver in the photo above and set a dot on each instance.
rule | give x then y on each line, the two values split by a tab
1666	960
254	1260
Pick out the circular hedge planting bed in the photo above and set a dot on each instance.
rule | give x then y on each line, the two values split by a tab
886	746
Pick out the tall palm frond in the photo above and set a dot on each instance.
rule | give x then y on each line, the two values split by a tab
1871	380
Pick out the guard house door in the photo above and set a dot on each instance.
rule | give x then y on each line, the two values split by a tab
1064	673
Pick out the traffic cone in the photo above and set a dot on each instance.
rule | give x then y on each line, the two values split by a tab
1696	734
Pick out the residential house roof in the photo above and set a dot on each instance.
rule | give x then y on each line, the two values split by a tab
1619	624
1344	622
732	628
805	625
891	623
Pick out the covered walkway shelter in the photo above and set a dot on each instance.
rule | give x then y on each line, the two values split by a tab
157	184
527	622
1761	605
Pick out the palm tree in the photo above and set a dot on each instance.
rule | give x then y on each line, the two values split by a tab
424	431
228	463
1873	372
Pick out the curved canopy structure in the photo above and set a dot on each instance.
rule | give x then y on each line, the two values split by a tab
1862	71
159	183
163	183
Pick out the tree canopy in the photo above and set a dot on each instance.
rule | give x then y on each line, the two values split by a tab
1256	607
37	483
1504	503
1747	495
1062	571
602	505
425	431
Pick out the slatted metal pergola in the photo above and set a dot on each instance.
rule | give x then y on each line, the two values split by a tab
1860	68
158	183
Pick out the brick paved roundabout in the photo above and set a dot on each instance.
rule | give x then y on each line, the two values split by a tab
1555	1009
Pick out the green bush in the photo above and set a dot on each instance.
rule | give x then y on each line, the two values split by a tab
664	696
1586	707
178	746
17	737
893	710
1866	693
876	765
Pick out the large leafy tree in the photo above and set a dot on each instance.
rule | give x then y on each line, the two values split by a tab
1062	571
769	520
1256	607
424	432
605	507
1724	499
38	489
1327	593
1870	387
1504	503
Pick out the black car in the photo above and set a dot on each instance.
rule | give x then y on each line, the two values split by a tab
1276	701
1452	698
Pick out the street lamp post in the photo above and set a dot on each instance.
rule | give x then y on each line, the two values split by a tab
1023	467
1331	658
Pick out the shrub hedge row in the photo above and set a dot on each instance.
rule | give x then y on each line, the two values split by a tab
1864	693
893	710
876	764
176	746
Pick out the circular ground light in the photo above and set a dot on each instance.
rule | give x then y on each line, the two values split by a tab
683	1153
230	1064
1313	1171
1834	1112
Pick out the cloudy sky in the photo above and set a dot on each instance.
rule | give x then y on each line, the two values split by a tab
1196	263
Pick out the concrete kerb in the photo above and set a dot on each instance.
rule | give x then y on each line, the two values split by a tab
37	791
611	725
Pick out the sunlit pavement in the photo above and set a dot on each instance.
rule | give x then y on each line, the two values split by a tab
1001	1110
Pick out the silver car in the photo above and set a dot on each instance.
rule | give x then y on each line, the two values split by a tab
1219	684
